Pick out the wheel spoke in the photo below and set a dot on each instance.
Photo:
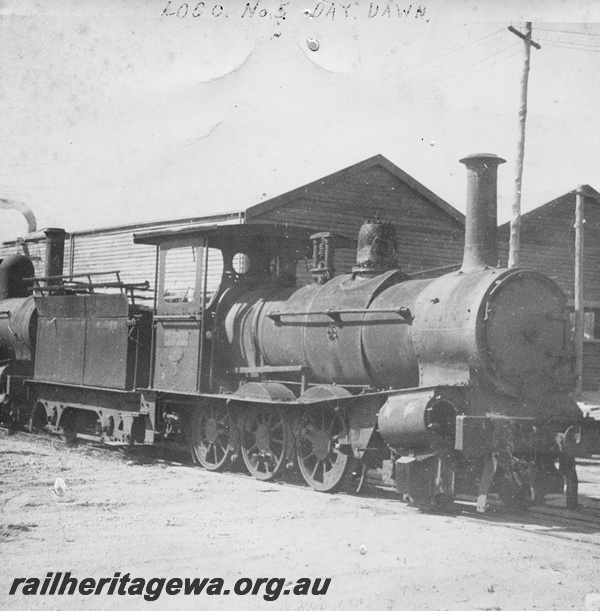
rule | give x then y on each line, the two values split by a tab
211	438
330	427
330	470
263	441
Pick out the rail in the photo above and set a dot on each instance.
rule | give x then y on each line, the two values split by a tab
434	272
403	312
72	284
177	317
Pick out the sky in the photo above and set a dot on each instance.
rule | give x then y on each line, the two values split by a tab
121	112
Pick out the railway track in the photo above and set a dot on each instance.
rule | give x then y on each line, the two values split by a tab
553	519
581	528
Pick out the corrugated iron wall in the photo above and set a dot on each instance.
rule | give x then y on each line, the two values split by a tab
112	252
113	249
104	250
34	248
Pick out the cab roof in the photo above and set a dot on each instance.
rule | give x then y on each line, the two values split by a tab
223	235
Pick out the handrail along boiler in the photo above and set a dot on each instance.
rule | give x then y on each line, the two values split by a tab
452	385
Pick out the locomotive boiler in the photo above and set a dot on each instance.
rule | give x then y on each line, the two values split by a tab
454	385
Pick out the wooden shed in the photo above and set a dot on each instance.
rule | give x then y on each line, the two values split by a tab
548	245
430	231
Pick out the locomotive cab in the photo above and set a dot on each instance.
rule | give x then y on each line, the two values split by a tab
200	271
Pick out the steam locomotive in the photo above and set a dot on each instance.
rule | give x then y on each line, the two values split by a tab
452	386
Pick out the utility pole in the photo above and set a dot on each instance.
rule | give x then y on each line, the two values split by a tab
578	289
515	221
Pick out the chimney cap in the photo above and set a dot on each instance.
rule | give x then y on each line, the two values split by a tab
482	157
54	231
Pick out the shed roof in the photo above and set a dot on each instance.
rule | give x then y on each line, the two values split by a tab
546	210
376	161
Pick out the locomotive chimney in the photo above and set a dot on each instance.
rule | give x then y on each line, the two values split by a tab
481	243
55	252
377	250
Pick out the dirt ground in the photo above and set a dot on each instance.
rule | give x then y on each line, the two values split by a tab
167	519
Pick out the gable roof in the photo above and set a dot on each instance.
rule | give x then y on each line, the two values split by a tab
376	161
241	215
547	208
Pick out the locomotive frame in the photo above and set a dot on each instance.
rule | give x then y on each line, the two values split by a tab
454	386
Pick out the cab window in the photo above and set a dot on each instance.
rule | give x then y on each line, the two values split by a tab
180	268
183	271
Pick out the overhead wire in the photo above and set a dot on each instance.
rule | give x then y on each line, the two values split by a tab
484	68
427	87
570	42
541	29
457	49
572	47
405	72
308	136
440	82
574	42
481	61
188	142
